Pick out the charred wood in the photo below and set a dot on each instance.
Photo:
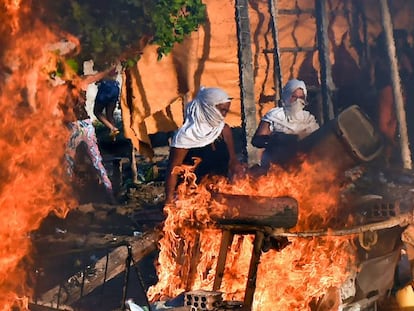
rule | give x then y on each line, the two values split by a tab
256	211
105	270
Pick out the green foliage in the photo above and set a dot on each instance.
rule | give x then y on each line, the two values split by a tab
72	63
110	30
174	20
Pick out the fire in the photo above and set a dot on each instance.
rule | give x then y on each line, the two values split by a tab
32	145
290	279
12	7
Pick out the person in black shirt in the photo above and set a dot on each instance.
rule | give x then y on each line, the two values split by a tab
206	136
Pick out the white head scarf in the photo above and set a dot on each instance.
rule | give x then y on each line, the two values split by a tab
291	118
293	110
290	87
203	121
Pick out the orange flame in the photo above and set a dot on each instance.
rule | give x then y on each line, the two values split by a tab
32	145
286	280
12	7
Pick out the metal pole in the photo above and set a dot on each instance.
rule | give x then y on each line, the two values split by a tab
396	84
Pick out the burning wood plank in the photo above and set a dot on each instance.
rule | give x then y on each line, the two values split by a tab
116	264
278	212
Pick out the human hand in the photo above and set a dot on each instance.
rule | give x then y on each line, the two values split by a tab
302	134
237	169
114	132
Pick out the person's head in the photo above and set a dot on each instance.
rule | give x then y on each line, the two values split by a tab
204	119
223	108
211	105
293	90
294	97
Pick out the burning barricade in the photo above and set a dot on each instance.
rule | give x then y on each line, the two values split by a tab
308	238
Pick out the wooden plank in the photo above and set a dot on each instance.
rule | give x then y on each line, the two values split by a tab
253	211
194	260
254	264
311	11
226	240
298	49
327	84
37	307
141	247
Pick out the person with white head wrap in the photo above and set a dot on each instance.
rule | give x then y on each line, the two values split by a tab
204	135
282	127
203	121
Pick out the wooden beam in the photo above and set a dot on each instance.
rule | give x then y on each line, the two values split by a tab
252	276
396	84
226	240
296	49
248	104
252	211
327	84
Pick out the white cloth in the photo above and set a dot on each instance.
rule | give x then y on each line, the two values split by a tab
294	109
203	121
290	118
132	306
302	125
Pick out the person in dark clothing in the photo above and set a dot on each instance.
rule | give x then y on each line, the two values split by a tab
215	157
206	136
281	128
105	103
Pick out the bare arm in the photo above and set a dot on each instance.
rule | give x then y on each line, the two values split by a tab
96	77
98	112
176	158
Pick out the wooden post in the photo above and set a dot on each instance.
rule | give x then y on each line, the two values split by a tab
254	264
327	84
248	105
193	262
396	84
226	240
277	74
